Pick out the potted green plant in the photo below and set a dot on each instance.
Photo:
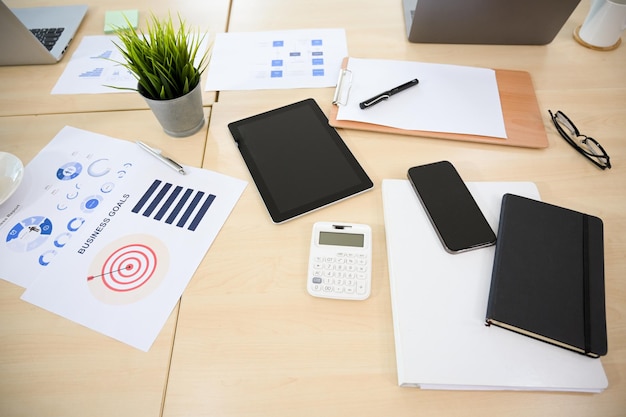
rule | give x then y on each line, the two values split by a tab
168	64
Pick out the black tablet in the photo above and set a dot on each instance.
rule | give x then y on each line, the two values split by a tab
297	160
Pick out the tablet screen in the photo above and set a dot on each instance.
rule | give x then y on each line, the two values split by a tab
298	161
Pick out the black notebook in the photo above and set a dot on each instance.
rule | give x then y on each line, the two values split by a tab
548	275
298	161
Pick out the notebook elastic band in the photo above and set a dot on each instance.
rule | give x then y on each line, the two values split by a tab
586	294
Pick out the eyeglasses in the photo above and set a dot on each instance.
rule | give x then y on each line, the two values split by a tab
587	146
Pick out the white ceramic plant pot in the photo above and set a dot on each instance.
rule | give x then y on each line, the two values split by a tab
179	117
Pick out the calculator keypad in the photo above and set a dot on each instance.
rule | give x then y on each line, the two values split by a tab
341	275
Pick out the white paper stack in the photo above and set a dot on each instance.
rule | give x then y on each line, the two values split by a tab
439	302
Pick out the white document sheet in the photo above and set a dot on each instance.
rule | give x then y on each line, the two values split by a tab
439	303
93	68
448	98
276	59
102	233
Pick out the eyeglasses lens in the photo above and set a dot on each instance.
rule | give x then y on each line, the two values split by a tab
564	122
591	146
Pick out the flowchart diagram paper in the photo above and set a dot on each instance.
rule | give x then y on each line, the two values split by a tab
306	58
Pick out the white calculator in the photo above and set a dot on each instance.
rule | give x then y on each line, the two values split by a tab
340	261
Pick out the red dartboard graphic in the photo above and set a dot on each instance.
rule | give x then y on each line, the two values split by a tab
128	269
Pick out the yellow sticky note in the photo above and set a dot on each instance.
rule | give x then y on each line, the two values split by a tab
117	18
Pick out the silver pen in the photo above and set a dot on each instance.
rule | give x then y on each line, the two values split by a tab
167	161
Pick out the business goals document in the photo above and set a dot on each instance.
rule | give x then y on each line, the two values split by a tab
103	234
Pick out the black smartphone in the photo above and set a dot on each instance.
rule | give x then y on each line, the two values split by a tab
459	222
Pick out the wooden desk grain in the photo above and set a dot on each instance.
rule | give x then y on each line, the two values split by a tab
247	339
251	341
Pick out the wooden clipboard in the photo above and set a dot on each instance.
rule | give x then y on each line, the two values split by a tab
522	118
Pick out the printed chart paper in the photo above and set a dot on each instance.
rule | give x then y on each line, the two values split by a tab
93	68
103	234
276	59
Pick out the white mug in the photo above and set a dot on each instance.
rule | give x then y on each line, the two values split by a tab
604	24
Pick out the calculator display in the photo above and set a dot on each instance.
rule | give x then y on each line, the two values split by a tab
342	239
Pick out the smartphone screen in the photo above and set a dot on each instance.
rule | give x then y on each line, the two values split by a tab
452	210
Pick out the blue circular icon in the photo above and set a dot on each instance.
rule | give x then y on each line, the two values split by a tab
75	224
69	171
99	168
90	203
29	233
107	187
46	257
62	239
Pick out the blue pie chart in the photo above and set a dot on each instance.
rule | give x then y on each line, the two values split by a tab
29	233
69	171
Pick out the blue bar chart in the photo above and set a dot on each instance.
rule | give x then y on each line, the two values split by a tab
172	204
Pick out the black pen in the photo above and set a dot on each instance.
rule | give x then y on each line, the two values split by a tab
386	94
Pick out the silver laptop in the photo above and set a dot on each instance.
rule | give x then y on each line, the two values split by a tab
496	22
37	35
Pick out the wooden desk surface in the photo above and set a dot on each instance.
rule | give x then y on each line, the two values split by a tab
28	91
247	339
251	341
50	366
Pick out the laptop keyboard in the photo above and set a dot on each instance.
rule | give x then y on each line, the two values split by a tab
48	37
